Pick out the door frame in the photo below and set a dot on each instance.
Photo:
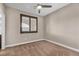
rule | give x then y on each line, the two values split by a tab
3	32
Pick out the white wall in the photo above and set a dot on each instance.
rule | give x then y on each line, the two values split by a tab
2	24
62	26
13	35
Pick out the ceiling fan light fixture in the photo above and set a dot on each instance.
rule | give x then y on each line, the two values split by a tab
39	7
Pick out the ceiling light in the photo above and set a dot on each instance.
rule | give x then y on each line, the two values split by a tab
39	7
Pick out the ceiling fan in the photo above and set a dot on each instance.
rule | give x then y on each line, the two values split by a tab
40	6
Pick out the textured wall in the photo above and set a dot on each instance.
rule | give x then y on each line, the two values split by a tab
13	35
63	26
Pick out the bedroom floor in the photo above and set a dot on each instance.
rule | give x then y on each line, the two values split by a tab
40	48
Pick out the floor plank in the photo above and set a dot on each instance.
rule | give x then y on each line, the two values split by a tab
40	48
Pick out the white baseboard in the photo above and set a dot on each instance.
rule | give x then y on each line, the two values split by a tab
68	47
23	43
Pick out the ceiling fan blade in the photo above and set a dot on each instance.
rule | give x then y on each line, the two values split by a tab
46	6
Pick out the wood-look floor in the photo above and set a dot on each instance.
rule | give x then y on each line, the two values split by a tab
40	48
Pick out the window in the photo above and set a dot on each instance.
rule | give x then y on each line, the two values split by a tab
28	24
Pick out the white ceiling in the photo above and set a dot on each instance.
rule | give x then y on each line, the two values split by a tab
29	7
